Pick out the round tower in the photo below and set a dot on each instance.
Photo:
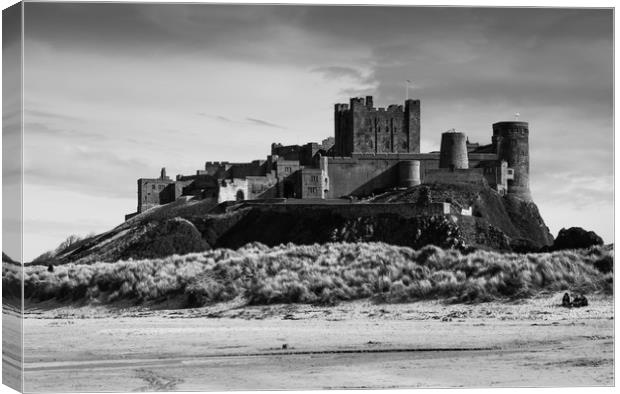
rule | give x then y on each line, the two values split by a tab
512	143
453	151
409	173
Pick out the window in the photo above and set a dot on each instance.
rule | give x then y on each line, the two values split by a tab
312	190
153	187
287	169
314	178
161	187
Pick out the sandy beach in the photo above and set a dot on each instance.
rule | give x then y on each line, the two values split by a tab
351	345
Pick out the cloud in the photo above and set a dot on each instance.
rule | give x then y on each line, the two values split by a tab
575	190
87	170
336	72
38	129
48	115
260	122
222	118
246	121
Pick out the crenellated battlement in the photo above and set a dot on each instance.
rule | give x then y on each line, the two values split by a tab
361	104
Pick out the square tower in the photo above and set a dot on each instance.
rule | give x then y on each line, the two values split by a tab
361	129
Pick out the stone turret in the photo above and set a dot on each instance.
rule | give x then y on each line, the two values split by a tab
453	151
409	173
511	141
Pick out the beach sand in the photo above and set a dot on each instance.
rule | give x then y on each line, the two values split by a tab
358	344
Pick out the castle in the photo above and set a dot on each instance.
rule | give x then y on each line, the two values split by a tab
373	149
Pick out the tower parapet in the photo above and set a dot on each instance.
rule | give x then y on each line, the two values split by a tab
511	141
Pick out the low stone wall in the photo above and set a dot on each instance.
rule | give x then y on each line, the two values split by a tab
473	176
349	211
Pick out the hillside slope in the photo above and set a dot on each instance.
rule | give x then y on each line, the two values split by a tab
186	226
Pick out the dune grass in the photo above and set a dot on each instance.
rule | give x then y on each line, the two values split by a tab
322	274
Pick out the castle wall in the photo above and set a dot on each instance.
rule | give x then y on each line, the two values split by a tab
204	186
179	186
311	183
262	187
243	170
307	153
153	192
363	175
476	158
349	176
286	152
473	175
286	168
216	169
328	143
405	210
233	190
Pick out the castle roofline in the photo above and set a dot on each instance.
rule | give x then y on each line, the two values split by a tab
511	123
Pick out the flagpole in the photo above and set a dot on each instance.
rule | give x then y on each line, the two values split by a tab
407	82
407	90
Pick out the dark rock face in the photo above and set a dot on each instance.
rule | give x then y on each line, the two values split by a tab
526	218
517	218
576	238
326	224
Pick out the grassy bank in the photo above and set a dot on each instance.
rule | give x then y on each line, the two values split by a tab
320	274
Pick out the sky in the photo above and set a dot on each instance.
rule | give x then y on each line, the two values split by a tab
114	92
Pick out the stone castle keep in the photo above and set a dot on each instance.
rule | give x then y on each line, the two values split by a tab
373	149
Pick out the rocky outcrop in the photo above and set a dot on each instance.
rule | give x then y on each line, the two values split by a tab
576	238
517	218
